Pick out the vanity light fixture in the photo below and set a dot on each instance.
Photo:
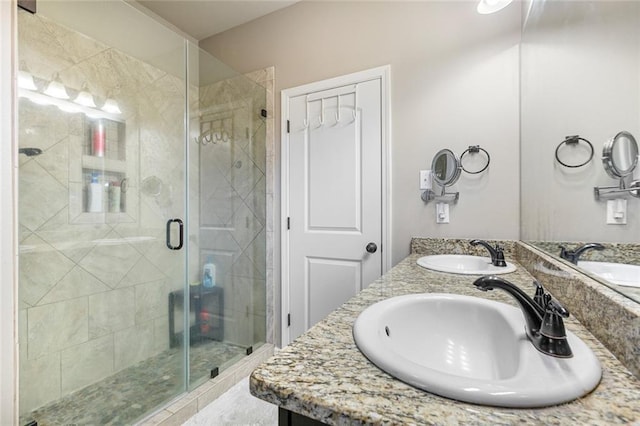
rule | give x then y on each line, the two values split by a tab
486	7
66	105
56	89
56	94
85	98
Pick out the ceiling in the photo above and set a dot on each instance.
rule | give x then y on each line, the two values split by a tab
203	18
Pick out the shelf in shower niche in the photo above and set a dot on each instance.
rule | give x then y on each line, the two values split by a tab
102	163
111	171
117	203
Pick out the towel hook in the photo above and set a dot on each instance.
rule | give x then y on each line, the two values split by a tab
305	121
321	119
355	102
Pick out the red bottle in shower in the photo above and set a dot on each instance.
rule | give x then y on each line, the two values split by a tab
98	137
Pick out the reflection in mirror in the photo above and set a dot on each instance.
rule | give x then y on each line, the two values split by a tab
616	273
446	168
620	155
615	264
573	142
558	39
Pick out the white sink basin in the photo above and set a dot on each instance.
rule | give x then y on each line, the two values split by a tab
616	273
470	349
464	264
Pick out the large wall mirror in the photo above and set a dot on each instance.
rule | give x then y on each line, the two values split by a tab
580	76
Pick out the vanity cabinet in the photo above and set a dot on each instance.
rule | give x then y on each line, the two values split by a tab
289	418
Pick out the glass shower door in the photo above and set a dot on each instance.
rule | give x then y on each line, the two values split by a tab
227	267
101	178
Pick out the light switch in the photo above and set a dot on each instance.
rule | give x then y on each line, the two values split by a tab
617	212
442	213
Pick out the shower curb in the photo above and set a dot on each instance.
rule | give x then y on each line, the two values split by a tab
187	405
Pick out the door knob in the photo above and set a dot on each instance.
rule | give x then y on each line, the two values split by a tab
372	247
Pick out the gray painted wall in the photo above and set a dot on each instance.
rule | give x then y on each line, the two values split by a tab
580	75
454	83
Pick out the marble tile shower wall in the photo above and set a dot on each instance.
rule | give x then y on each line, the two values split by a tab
93	293
233	201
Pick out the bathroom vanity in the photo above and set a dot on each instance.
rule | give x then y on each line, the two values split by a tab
323	377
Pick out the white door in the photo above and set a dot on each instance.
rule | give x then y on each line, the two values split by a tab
334	206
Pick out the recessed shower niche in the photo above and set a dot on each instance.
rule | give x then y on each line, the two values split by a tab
100	184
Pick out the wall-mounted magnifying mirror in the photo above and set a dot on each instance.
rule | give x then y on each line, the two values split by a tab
446	168
620	155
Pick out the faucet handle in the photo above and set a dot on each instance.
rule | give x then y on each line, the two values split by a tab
538	297
567	254
552	324
499	258
553	336
554	307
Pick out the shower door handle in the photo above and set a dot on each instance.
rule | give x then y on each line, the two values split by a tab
181	234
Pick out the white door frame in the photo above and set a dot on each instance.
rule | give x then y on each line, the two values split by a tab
8	213
383	74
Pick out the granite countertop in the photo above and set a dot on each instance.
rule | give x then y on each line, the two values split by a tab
323	375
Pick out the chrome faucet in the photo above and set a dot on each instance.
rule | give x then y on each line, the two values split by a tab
542	314
497	253
573	255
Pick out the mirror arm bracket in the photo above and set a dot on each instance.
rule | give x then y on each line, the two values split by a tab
634	190
429	195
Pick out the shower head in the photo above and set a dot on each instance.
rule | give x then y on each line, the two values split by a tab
30	152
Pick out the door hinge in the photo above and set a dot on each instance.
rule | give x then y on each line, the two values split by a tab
288	223
288	320
288	126
213	373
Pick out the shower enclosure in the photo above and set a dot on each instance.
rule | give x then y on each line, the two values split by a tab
142	159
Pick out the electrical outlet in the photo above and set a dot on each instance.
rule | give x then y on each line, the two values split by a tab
425	179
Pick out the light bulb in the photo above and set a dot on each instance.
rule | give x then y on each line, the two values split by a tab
56	89
85	98
111	106
25	81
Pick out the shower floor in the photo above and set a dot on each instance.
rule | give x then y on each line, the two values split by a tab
131	393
